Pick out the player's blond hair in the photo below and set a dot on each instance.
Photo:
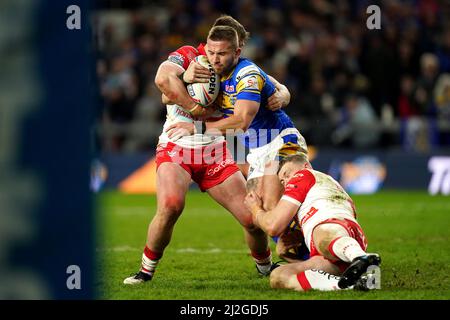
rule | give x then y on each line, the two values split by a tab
226	20
224	33
299	158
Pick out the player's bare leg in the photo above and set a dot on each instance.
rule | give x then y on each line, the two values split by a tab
172	184
324	234
286	276
319	272
231	194
268	187
334	242
244	168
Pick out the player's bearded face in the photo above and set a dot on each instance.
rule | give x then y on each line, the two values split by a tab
222	56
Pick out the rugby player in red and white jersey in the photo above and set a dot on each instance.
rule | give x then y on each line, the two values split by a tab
180	159
327	217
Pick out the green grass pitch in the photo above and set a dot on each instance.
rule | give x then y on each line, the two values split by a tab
208	258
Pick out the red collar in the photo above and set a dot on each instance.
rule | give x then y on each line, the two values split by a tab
201	49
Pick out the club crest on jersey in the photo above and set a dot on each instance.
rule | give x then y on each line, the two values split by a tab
229	88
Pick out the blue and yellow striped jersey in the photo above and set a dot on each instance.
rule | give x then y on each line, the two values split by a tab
248	82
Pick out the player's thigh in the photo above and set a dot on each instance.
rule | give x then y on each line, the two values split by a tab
325	233
244	168
231	194
172	184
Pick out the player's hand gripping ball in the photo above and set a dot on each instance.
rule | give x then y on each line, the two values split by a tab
205	93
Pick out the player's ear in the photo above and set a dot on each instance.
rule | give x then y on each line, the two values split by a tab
238	52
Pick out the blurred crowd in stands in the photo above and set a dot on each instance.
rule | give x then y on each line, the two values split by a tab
351	86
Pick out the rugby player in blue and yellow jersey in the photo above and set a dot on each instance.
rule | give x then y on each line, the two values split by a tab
269	135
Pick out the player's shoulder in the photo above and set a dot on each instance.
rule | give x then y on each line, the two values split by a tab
300	184
246	67
183	55
303	175
187	49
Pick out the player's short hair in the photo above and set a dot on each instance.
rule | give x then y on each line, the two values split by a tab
300	158
226	20
224	33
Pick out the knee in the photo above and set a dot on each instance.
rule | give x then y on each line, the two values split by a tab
171	207
245	219
323	247
277	278
251	228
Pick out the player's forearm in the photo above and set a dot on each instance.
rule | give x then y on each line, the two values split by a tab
283	91
271	191
244	113
231	123
267	222
173	88
271	188
277	84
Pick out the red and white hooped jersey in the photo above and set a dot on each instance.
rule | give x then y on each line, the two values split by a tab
319	198
182	57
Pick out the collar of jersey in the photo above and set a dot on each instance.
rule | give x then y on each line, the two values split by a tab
228	76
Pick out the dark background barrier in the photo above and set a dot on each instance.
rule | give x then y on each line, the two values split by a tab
358	171
46	217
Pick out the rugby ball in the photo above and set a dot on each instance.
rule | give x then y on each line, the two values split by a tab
205	93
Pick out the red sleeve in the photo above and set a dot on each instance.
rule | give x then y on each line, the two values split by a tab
298	187
183	56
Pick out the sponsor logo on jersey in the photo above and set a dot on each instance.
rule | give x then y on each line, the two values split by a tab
191	91
176	58
183	113
252	83
212	80
290	186
219	167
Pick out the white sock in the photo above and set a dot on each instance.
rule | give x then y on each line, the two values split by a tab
150	260
148	265
263	263
318	280
346	249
